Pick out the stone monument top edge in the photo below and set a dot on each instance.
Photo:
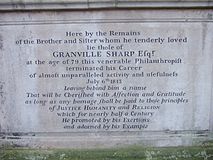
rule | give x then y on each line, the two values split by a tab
100	4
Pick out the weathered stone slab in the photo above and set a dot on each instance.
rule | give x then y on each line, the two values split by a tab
134	76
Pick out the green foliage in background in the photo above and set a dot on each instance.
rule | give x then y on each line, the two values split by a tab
203	152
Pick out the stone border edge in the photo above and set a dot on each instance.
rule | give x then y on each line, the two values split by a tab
19	5
86	141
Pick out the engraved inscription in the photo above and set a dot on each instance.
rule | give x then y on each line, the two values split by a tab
100	76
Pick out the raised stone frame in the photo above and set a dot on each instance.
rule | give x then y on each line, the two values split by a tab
97	139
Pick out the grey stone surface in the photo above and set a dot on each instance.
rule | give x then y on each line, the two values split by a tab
149	78
95	4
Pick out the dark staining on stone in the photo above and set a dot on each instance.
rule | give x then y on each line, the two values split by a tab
210	16
1	42
10	135
171	132
178	136
13	137
20	134
175	132
202	135
1	87
2	93
201	132
2	135
16	134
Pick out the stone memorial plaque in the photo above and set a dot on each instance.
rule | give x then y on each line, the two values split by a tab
106	72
